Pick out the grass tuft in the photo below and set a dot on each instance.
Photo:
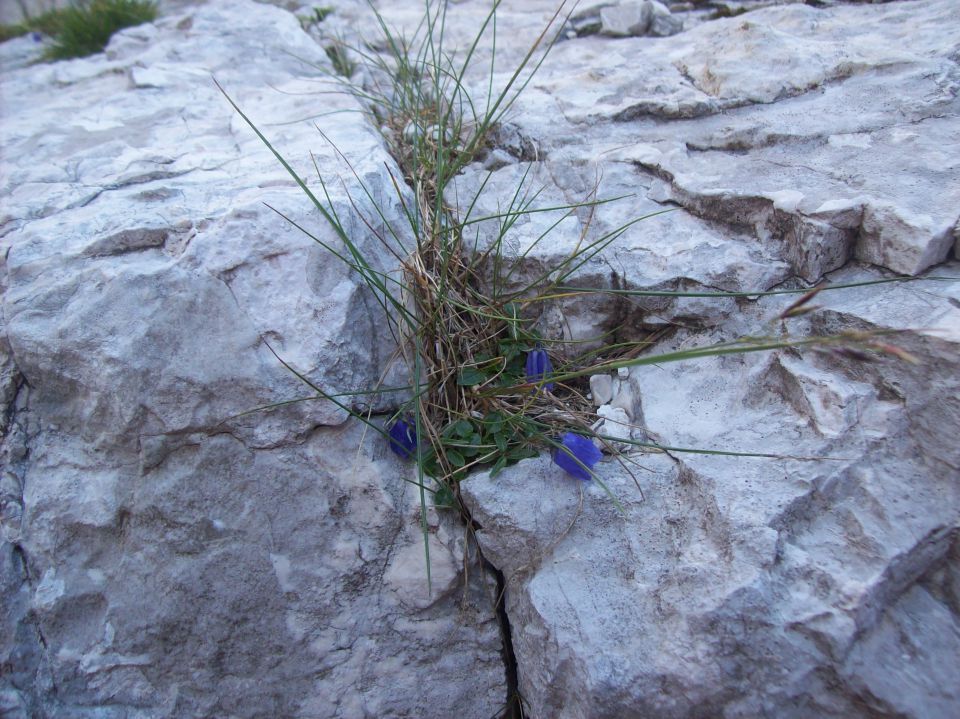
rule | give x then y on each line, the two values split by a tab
85	28
465	325
339	57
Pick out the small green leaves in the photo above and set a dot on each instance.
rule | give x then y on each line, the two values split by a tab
470	376
462	428
444	498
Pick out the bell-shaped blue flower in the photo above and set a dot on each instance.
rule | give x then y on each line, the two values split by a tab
539	367
579	447
403	439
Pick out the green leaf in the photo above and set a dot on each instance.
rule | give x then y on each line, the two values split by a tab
473	448
494	422
455	458
510	351
444	497
518	453
470	376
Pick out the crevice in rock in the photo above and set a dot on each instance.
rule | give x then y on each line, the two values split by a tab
33	662
741	141
139	239
513	705
143	179
25	653
513	708
9	391
811	247
902	572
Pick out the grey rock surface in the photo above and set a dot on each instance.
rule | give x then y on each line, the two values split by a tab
794	144
14	11
662	21
830	133
622	18
162	554
821	583
625	19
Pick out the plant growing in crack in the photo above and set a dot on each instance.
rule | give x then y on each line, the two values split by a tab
487	388
84	27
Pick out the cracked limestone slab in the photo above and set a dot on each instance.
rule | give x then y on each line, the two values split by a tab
824	130
819	583
776	174
796	140
645	244
165	554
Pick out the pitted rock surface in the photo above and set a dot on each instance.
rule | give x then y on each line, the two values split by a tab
165	554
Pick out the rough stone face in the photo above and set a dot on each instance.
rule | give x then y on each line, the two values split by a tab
162	556
625	19
662	21
751	586
798	143
822	133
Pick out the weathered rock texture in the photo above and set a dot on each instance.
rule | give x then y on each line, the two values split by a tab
800	143
162	557
753	587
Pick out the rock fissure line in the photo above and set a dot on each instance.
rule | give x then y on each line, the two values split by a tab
901	574
514	700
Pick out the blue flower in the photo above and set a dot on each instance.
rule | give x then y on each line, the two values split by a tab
403	439
583	448
539	367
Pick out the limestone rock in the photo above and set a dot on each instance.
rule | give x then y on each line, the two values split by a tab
614	425
662	22
601	387
14	12
163	553
820	583
809	157
814	583
625	19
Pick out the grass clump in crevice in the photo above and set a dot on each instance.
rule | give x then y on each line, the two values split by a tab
462	314
84	28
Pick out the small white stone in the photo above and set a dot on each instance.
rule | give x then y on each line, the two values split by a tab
624	398
49	590
601	388
627	19
434	133
662	22
411	132
616	425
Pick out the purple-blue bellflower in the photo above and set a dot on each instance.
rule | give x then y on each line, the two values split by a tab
403	439
539	367
583	448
